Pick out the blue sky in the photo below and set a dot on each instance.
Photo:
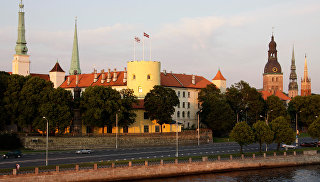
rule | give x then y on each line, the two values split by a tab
192	37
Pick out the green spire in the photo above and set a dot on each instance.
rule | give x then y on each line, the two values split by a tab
75	64
21	47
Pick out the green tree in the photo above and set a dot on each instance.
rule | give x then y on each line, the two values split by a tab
275	107
58	111
262	133
242	134
314	129
126	114
34	92
295	107
283	133
159	104
4	77
216	113
12	101
99	106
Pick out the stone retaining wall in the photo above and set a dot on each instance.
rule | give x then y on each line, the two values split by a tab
109	140
166	170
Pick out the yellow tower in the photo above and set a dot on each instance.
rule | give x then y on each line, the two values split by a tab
143	76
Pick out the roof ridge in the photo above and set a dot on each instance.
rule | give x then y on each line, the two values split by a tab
177	79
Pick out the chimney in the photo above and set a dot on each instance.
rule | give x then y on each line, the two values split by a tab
115	75
103	76
193	79
109	76
68	83
77	80
125	75
164	72
95	79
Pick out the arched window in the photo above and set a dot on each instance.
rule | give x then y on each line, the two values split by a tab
133	76
277	79
178	114
148	77
272	79
183	114
188	114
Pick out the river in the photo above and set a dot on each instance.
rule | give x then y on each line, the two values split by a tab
288	174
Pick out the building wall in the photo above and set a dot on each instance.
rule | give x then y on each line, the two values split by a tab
143	76
221	84
273	82
293	93
21	65
57	78
305	88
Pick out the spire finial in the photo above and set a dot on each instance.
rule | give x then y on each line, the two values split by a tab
21	6
272	31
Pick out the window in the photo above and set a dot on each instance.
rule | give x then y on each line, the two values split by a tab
157	128
183	105
139	89
109	129
133	77
179	105
183	94
89	129
188	104
188	94
125	129
146	128
178	114
148	77
178	93
183	114
188	114
145	115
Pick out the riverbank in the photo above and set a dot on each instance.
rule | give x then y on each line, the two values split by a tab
163	169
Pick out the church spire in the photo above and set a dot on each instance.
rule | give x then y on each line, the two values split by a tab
305	81
75	64
305	72
293	85
21	44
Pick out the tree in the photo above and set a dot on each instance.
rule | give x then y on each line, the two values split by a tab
314	129
263	133
246	102
4	77
216	113
242	134
99	106
275	107
159	104
126	114
58	111
283	133
34	92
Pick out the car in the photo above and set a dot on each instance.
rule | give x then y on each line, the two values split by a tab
288	146
310	144
84	151
12	154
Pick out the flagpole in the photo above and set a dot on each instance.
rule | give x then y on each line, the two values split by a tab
143	48
134	49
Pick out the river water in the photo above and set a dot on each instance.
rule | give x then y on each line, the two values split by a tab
288	174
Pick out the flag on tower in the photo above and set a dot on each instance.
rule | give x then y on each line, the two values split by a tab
145	34
137	39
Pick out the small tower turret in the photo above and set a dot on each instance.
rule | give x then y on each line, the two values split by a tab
57	75
220	81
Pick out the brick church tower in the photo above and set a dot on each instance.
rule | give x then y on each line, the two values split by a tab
305	81
272	76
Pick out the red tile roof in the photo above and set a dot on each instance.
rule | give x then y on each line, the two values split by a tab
219	76
118	82
57	68
42	76
281	95
183	80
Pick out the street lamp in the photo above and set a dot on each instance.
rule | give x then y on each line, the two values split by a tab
47	141
116	130
297	139
177	140
199	127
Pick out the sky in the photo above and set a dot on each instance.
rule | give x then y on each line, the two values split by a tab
186	36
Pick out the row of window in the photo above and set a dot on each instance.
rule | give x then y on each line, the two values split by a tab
183	94
184	105
146	128
183	114
148	77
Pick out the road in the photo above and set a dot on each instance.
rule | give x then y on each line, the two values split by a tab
69	157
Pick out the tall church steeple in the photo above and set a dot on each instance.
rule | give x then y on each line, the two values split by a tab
21	62
75	64
293	85
305	81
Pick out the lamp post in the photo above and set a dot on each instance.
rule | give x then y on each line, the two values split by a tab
116	130
177	140
297	139
267	124
47	141
199	126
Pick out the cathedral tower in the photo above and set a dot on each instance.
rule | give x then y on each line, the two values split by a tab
21	62
305	81
293	85
272	76
75	64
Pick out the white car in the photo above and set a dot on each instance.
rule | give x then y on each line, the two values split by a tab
288	146
84	151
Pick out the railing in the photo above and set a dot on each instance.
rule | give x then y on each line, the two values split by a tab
152	162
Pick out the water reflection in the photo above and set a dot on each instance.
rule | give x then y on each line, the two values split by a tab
288	174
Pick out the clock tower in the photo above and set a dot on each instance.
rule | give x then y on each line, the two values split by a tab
272	76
